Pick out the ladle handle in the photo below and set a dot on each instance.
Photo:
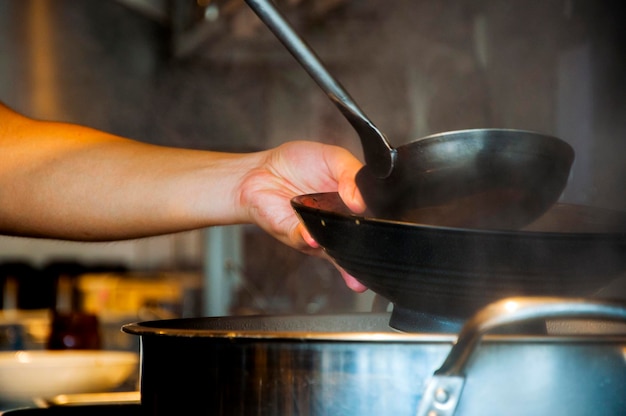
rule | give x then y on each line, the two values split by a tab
379	155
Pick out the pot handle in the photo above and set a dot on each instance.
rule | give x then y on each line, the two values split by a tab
443	390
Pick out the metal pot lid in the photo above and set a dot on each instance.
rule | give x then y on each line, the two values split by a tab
358	327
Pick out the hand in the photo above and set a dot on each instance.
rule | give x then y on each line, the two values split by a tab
115	188
297	168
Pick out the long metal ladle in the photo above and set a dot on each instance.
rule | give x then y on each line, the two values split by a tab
378	153
488	178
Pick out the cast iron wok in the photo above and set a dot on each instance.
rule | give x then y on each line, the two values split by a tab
486	177
449	273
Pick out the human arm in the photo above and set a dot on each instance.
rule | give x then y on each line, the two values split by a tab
64	181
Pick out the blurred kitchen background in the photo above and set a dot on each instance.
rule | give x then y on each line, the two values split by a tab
207	74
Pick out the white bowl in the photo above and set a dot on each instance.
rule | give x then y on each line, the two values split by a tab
28	375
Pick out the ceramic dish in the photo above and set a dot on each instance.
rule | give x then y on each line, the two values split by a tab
28	375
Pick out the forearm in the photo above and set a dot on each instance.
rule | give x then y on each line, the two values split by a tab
72	182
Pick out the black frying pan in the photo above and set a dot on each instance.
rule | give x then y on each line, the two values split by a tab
451	272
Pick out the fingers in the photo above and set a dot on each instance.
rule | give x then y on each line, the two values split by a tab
307	236
345	167
351	196
342	168
351	282
314	249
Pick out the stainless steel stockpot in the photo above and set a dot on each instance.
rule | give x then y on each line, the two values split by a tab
356	365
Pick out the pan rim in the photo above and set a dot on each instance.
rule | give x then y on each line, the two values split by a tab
298	205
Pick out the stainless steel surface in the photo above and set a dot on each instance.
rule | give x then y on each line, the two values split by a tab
355	364
444	389
515	310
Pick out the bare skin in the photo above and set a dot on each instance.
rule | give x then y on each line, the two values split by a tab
70	182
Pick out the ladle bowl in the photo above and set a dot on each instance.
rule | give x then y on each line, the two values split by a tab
482	178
